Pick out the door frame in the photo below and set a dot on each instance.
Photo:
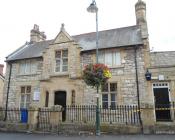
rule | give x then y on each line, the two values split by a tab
64	109
161	85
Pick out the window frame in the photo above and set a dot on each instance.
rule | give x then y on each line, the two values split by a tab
109	94
61	59
25	94
26	67
112	54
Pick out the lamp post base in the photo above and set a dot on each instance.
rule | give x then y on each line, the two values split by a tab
97	117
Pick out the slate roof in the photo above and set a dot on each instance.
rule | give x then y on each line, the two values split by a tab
119	37
161	59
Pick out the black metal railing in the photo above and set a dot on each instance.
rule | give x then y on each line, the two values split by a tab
78	113
13	114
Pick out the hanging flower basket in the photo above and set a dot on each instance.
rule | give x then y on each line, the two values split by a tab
96	74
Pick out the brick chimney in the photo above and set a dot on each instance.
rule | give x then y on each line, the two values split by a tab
36	35
1	69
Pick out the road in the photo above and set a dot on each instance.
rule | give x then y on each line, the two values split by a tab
23	136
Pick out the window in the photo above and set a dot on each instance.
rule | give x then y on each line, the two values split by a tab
27	67
109	92
25	96
73	97
61	58
109	57
47	99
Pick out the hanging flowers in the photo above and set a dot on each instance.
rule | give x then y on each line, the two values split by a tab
96	74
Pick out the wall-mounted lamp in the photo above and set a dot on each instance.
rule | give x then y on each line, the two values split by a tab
148	75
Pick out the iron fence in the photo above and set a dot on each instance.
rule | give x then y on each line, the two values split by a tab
77	113
49	118
12	114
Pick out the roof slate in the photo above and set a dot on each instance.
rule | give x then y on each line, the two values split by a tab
120	37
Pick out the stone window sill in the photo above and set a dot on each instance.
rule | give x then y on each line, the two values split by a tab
116	67
29	74
60	74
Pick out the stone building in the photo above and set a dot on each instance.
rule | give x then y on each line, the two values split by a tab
44	72
2	78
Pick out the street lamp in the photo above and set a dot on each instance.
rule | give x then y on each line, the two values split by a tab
94	9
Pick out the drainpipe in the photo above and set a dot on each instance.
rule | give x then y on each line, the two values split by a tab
137	84
8	88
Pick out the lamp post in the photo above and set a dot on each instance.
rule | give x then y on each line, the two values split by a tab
94	9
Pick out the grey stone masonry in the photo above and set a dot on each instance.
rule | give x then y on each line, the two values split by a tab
124	76
17	80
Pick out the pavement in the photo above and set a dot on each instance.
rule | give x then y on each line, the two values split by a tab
30	136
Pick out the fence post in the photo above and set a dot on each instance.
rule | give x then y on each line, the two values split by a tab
148	119
55	117
33	118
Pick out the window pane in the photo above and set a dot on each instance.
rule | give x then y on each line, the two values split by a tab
65	61
108	58
101	57
65	68
112	97
22	89
58	63
22	105
116	58
58	54
104	88
113	105
113	87
33	67
105	100
22	98
57	69
28	89
65	53
105	97
22	68
28	98
27	69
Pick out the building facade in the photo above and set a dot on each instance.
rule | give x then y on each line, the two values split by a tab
45	73
2	78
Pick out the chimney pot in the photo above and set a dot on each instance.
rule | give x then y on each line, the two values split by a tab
36	35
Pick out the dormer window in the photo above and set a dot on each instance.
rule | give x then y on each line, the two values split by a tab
61	58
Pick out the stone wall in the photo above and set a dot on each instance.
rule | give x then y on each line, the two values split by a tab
17	80
163	63
124	75
1	90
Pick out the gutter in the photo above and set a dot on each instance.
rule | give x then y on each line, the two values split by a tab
137	84
8	88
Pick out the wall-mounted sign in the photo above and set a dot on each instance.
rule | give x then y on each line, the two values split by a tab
36	94
161	77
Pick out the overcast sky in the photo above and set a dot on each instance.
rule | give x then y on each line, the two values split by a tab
17	18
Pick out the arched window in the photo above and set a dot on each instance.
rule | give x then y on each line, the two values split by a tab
73	97
47	99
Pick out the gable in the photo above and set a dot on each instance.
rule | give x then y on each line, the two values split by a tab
62	36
